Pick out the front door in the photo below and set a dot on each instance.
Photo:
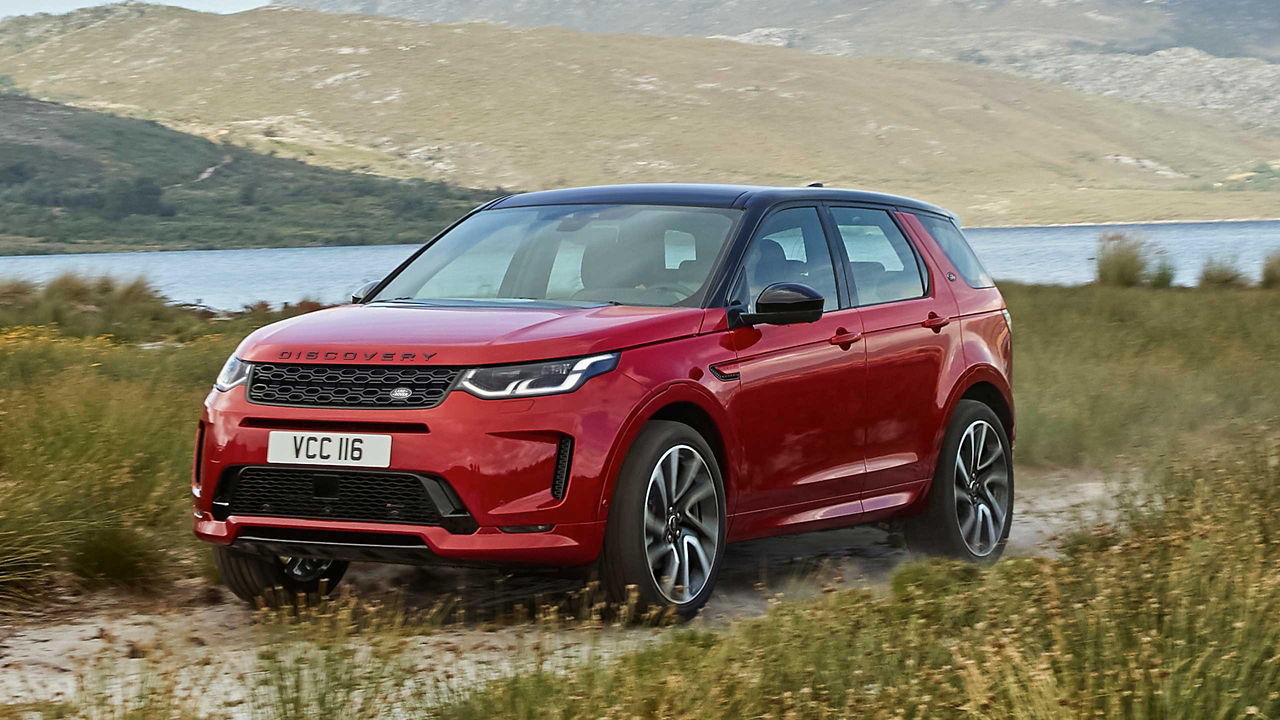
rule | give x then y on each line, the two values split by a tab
800	385
909	331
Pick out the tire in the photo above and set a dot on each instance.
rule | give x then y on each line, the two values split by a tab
695	520
273	580
964	519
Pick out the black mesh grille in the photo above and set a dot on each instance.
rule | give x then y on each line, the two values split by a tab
331	495
564	455
364	386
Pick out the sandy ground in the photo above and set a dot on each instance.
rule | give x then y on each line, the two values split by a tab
43	657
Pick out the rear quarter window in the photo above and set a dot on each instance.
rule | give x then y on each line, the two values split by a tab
958	251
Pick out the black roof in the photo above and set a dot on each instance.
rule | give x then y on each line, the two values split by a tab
704	195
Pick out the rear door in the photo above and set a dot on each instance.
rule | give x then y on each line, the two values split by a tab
800	385
909	332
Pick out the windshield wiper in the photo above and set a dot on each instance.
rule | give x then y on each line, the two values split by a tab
405	301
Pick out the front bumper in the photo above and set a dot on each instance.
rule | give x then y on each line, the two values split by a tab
499	457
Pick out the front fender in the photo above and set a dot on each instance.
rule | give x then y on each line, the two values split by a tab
678	391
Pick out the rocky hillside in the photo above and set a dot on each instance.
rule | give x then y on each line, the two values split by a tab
481	105
1220	59
886	27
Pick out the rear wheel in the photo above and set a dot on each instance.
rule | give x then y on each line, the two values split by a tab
970	507
667	522
252	577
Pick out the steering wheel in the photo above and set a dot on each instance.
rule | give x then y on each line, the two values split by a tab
677	288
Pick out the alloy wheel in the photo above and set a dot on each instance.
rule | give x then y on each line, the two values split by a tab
982	488
681	523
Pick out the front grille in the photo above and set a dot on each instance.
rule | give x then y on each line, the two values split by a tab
358	386
389	497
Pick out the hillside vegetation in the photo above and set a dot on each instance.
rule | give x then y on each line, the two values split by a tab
482	105
72	180
886	27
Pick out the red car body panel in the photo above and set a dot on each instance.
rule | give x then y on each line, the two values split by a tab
814	425
455	336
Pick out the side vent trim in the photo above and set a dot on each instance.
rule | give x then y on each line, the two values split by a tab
564	461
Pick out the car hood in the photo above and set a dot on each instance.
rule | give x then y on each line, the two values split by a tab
408	334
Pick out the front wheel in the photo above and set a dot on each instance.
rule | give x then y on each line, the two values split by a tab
969	510
667	523
260	577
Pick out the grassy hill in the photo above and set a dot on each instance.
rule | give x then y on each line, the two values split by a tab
886	27
481	105
73	180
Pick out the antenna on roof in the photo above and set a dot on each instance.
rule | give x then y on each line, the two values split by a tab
816	185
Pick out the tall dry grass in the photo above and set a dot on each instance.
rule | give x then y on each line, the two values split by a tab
1271	272
96	433
1222	273
1167	613
1101	372
97	414
1122	260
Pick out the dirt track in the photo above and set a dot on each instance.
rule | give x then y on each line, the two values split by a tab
41	656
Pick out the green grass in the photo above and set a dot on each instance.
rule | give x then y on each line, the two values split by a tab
1104	372
72	180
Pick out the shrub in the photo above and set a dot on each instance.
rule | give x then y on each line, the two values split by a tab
1162	276
142	196
1122	260
1219	273
1271	272
114	555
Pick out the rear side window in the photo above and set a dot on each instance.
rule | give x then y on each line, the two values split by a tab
952	242
884	266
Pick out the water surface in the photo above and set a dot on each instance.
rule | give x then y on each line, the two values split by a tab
233	278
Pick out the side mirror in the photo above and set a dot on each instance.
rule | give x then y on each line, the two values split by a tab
785	304
362	292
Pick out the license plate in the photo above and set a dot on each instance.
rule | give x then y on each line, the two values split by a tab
298	448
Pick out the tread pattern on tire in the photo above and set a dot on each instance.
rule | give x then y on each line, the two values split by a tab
252	578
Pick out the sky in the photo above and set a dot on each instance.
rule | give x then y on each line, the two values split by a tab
27	7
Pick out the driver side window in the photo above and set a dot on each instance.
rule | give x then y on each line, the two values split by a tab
789	247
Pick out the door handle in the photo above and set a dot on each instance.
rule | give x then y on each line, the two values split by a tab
845	339
936	322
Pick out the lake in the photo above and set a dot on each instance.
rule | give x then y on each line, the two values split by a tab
233	278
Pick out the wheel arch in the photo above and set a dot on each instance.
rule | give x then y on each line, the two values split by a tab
984	384
683	402
988	394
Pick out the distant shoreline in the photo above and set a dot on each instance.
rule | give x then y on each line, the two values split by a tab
1116	223
64	249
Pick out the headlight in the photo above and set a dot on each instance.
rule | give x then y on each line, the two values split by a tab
546	378
234	373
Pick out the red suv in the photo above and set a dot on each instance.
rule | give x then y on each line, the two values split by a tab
628	376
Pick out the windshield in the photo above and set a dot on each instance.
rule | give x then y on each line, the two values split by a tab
586	255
